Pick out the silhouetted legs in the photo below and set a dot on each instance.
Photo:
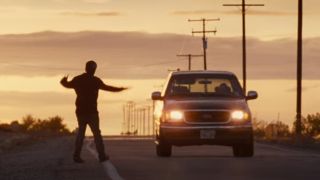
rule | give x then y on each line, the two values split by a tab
80	137
93	121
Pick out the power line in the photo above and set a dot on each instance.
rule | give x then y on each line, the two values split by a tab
161	63
41	67
243	6
185	41
190	56
204	38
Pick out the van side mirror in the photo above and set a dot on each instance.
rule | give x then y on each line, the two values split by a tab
252	95
156	96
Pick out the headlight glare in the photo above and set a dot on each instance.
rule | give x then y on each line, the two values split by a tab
176	115
239	115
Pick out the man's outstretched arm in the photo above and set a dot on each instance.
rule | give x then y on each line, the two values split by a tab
111	88
65	83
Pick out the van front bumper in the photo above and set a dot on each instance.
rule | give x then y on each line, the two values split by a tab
196	135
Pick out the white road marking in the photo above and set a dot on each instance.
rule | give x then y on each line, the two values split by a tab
107	165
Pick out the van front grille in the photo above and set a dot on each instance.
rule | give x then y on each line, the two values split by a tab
207	116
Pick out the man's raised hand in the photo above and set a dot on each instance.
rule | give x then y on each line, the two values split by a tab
125	88
64	79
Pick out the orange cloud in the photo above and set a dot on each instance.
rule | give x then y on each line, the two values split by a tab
80	13
252	12
263	13
195	12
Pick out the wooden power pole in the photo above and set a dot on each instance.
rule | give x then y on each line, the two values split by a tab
204	38
190	56
299	68
243	6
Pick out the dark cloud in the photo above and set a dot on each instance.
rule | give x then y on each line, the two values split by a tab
88	14
143	55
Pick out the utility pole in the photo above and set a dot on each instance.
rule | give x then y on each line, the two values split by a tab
204	38
135	120
140	121
153	117
130	104
190	56
243	6
148	119
144	120
132	116
128	118
124	119
299	67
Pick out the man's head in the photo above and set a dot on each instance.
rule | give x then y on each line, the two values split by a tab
91	67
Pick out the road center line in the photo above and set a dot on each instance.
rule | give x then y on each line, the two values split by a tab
108	167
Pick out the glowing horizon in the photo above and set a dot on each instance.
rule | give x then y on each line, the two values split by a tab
49	99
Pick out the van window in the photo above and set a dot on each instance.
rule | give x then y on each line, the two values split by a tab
192	85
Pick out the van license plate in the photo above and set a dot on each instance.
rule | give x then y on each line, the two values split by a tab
207	134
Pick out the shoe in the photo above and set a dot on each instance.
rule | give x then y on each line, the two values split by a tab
77	160
104	158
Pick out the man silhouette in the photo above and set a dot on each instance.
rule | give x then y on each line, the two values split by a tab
87	87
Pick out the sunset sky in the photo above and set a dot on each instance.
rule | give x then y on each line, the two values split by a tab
135	43
276	20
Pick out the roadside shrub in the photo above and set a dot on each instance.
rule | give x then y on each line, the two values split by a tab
52	125
310	125
277	130
29	124
263	129
5	127
259	128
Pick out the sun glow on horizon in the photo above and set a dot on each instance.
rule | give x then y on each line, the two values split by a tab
44	97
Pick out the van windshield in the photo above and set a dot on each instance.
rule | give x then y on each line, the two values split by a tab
204	85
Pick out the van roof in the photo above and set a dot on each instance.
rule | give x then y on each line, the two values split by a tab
203	72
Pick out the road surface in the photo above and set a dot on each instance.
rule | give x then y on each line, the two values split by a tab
136	159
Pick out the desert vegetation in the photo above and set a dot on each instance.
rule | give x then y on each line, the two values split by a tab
280	131
32	125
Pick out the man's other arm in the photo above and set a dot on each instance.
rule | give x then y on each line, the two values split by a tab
65	83
111	88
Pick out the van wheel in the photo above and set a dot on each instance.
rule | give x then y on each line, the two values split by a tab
163	149
243	150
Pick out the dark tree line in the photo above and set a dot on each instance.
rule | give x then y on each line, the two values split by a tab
310	127
29	124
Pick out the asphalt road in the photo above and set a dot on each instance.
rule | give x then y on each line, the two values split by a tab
136	159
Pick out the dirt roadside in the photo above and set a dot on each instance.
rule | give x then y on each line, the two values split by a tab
48	159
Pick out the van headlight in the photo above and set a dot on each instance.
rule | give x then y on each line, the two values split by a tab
175	116
239	115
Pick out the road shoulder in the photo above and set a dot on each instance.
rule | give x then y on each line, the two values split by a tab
49	159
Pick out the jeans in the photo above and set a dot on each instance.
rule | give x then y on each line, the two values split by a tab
93	121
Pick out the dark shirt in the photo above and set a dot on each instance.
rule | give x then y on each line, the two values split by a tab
87	90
